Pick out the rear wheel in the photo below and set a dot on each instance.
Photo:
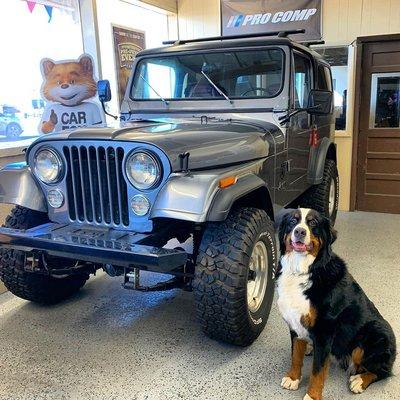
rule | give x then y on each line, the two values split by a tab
325	197
27	285
234	279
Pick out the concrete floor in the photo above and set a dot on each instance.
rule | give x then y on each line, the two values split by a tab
109	343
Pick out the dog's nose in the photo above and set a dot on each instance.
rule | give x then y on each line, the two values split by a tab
300	233
64	86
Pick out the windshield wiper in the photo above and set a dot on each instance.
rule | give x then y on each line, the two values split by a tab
158	94
216	87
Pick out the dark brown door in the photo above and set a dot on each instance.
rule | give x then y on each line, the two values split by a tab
378	163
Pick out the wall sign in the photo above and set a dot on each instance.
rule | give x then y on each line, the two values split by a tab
261	16
127	43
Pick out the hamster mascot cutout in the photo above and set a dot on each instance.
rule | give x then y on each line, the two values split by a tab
67	86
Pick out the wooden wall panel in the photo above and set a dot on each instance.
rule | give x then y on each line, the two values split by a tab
198	18
343	20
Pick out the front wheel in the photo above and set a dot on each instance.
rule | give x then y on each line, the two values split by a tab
234	279
28	285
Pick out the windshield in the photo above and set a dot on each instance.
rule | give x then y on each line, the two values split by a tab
235	74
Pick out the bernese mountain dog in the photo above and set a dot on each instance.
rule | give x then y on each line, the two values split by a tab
324	306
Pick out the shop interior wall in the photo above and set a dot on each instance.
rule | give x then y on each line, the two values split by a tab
343	21
130	15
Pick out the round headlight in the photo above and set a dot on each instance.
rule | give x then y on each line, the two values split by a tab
47	165
140	205
143	170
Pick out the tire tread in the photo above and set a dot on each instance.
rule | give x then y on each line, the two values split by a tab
220	278
35	287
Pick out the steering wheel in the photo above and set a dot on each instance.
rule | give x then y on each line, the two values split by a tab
253	90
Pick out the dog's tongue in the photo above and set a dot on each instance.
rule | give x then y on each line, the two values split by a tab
298	246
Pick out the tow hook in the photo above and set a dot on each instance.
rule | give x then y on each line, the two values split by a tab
132	282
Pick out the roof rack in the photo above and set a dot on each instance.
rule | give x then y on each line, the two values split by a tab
250	35
313	43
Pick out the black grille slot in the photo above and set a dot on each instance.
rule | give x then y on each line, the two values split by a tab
96	188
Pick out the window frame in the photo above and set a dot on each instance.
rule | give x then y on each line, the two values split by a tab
197	52
321	50
373	98
293	76
327	74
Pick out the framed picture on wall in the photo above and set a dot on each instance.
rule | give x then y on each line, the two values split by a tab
127	43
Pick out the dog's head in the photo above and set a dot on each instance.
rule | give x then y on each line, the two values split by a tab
306	231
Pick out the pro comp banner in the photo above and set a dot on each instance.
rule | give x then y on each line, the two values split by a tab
261	16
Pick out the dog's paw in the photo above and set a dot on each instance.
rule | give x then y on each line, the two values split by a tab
309	349
307	397
356	384
289	383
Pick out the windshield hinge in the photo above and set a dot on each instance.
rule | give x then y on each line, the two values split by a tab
184	161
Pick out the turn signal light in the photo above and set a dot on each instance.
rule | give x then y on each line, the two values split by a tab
226	182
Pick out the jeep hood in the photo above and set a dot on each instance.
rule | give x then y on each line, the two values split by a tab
209	145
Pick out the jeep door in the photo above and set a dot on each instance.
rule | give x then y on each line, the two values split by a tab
302	81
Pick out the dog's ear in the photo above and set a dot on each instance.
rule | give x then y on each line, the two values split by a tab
333	234
283	230
329	235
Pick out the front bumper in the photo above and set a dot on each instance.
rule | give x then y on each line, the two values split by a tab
101	246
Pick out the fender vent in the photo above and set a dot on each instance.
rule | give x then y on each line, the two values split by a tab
96	188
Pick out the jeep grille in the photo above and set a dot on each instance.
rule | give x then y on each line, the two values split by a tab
96	187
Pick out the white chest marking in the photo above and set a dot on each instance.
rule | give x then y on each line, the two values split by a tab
292	283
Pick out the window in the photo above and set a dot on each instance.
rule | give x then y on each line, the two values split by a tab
302	80
385	101
27	37
337	58
238	75
324	78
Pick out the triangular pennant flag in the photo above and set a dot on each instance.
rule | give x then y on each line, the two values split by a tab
31	5
49	10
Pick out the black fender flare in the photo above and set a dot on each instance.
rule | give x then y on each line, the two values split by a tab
225	198
318	156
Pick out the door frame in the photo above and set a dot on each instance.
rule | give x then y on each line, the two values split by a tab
360	45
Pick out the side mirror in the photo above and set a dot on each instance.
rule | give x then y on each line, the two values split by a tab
319	102
104	91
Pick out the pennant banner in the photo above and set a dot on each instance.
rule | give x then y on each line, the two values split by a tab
49	10
31	5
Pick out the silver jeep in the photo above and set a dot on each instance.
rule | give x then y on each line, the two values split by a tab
216	136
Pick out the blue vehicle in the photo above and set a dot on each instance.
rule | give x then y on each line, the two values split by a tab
10	124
